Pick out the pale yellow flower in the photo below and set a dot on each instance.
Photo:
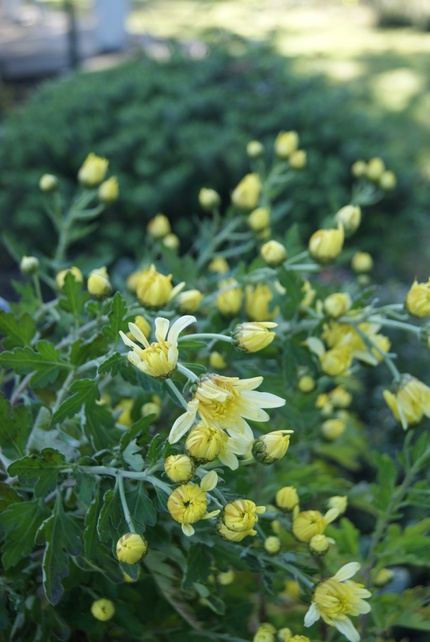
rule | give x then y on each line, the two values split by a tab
337	598
159	226
286	143
205	443
307	524
326	245
418	299
271	447
226	403
259	219
187	504
154	289
362	262
103	609
298	159
209	199
130	548
254	336
258	300
158	359
189	301
229	300
273	253
93	170
410	402
179	468
108	191
375	168
350	217
287	498
98	283
61	276
246	194
218	265
241	515
337	304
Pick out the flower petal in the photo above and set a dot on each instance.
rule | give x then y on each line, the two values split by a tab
312	615
128	342
161	328
187	530
346	627
138	334
346	572
181	426
264	399
179	325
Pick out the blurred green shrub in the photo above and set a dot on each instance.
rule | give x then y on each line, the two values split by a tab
401	13
170	127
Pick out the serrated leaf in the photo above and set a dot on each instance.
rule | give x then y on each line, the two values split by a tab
15	428
99	426
111	364
84	391
8	496
84	351
91	541
39	470
116	316
21	523
142	424
141	507
44	360
198	565
62	536
132	456
17	331
72	298
110	516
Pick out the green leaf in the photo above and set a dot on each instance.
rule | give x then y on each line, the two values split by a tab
18	332
387	477
347	537
72	299
132	456
99	426
141	507
142	424
63	538
198	565
91	540
83	351
116	316
15	428
21	523
84	391
8	496
40	470
111	364
110	516
44	360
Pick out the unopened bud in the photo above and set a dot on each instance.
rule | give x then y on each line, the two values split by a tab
48	183
209	199
29	265
273	253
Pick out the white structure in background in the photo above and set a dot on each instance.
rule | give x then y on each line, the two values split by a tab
10	9
110	30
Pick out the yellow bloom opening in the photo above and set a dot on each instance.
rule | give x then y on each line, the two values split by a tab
254	336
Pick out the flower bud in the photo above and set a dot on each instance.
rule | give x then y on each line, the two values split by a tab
93	170
287	498
258	299
263	635
383	577
159	226
229	301
285	144
359	169
61	276
375	168
326	245
307	524
388	180
339	503
189	301
417	300
340	398
253	336
246	194
319	545
306	383
154	289
254	149
179	468
98	283
217	361
48	183
226	578
284	634
336	361
273	253
171	241
332	429
259	219
143	325
103	609
125	407
151	408
209	199
269	448
204	442
131	547
337	304
241	515
350	217
218	265
29	265
272	544
298	159
362	262
108	191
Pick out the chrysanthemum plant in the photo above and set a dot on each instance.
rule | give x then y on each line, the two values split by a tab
187	448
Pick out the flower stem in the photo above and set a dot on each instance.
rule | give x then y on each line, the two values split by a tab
206	335
125	509
187	372
179	396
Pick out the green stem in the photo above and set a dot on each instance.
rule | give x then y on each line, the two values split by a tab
385	357
391	323
217	241
125	509
38	291
188	373
179	396
206	335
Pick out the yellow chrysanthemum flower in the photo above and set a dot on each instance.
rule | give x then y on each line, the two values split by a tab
326	245
93	170
337	598
241	515
187	504
179	468
258	301
246	194
153	289
229	300
226	403
205	443
410	402
131	547
418	299
158	359
271	447
308	523
254	336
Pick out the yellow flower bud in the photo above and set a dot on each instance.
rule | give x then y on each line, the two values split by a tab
339	503
306	384
362	262
287	498
375	168
259	219
340	398
350	217
359	169
129	579
143	325
124	418
229	300
254	149
159	226
108	191
326	245
103	609
285	144
272	544
179	468
131	547
309	294
292	589
98	283
217	361
93	170
204	442
332	429
336	361
233	536
48	183
187	504
271	447
388	180
189	301
154	290
299	638
337	304
410	402
29	265
241	515
218	265
284	634
307	524
298	159
246	194
61	276
319	545
254	336
383	577
171	241
151	408
258	299
273	253
418	299
267	626
263	635
226	578
209	199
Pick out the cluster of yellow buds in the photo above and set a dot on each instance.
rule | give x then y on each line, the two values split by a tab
375	171
268	633
258	303
287	148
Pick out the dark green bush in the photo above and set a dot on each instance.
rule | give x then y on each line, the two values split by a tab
172	127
